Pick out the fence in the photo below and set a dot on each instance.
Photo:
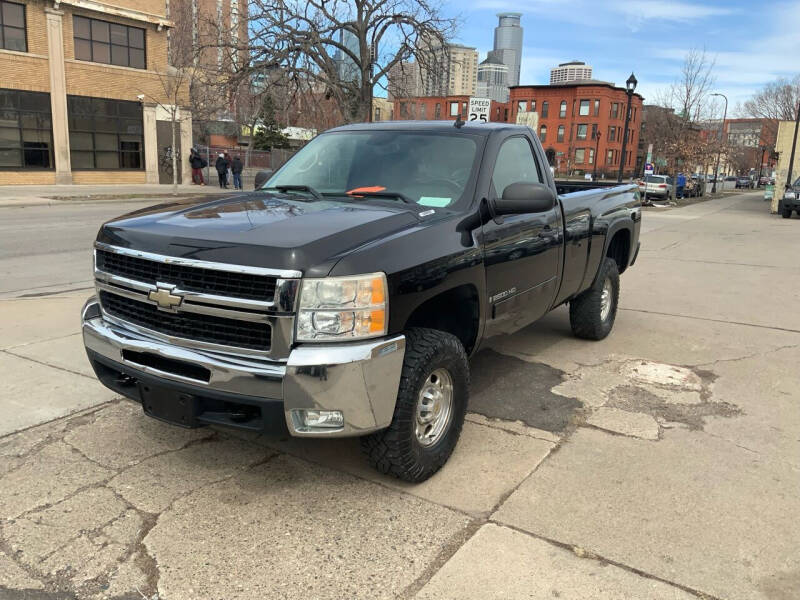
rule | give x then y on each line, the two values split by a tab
254	161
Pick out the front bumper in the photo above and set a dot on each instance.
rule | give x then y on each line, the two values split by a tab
792	203
359	379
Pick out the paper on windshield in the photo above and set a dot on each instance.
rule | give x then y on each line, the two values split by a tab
434	201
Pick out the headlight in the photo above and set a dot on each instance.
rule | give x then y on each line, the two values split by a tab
345	308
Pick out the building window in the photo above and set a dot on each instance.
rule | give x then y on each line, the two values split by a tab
26	132
612	134
403	110
543	133
545	109
105	134
12	26
596	107
610	157
562	111
580	155
581	132
594	131
454	109
560	133
423	111
437	111
533	105
522	106
614	110
583	110
377	114
109	43
464	110
591	156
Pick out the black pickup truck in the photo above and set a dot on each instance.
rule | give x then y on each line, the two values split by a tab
345	295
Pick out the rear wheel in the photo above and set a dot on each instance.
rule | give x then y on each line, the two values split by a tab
430	408
592	314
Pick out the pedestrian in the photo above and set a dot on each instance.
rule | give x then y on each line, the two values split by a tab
681	185
222	170
229	174
236	168
198	163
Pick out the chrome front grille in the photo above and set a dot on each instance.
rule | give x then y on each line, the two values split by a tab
230	309
189	278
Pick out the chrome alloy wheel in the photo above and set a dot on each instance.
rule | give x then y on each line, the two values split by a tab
434	407
606	299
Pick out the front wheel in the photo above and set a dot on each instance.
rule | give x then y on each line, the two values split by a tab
430	409
786	213
592	313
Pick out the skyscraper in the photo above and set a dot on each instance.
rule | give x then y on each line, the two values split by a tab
508	44
570	71
493	78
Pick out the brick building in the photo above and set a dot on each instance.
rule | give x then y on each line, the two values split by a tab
570	117
84	85
425	108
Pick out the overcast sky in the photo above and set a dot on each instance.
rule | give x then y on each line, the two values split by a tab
751	42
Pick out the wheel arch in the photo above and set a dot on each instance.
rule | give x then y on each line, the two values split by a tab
456	311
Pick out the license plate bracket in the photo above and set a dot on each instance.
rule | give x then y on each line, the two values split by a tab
169	405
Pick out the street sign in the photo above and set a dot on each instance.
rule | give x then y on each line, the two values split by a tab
479	109
648	169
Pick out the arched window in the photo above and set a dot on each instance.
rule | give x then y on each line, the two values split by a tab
562	112
543	133
560	133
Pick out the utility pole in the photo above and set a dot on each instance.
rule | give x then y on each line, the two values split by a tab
794	146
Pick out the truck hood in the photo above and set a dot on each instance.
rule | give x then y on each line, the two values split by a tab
259	229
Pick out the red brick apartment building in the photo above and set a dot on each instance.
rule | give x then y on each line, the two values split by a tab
571	115
445	108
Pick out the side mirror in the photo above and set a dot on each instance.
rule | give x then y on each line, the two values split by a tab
521	198
262	177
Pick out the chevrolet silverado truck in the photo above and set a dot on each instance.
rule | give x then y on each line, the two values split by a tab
345	295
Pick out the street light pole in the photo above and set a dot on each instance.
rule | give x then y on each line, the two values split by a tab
719	149
596	146
630	85
761	164
794	146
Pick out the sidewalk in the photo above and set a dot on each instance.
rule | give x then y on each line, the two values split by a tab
34	195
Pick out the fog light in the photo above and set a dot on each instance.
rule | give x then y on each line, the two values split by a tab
306	420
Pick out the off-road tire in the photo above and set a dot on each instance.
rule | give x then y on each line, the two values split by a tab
585	310
786	213
396	450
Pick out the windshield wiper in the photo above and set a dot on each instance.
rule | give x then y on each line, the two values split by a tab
395	195
298	188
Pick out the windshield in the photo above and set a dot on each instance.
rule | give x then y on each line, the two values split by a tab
429	169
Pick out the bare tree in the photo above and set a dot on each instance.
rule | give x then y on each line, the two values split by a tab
689	94
778	100
343	49
172	94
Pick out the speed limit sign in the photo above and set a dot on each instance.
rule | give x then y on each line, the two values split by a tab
479	109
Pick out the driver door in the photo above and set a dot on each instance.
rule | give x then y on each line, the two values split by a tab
522	252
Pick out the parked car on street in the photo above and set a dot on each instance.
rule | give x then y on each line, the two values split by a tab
344	297
656	187
743	182
790	201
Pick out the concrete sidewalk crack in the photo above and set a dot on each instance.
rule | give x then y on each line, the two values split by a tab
581	552
41	362
723	321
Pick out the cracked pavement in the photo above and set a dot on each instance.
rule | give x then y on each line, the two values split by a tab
663	462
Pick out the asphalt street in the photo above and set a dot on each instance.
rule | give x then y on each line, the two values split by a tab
662	462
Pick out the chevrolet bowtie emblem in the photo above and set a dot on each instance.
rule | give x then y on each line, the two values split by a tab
164	297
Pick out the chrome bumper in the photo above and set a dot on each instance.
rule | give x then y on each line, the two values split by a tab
360	379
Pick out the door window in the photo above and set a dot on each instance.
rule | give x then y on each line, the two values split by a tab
515	164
